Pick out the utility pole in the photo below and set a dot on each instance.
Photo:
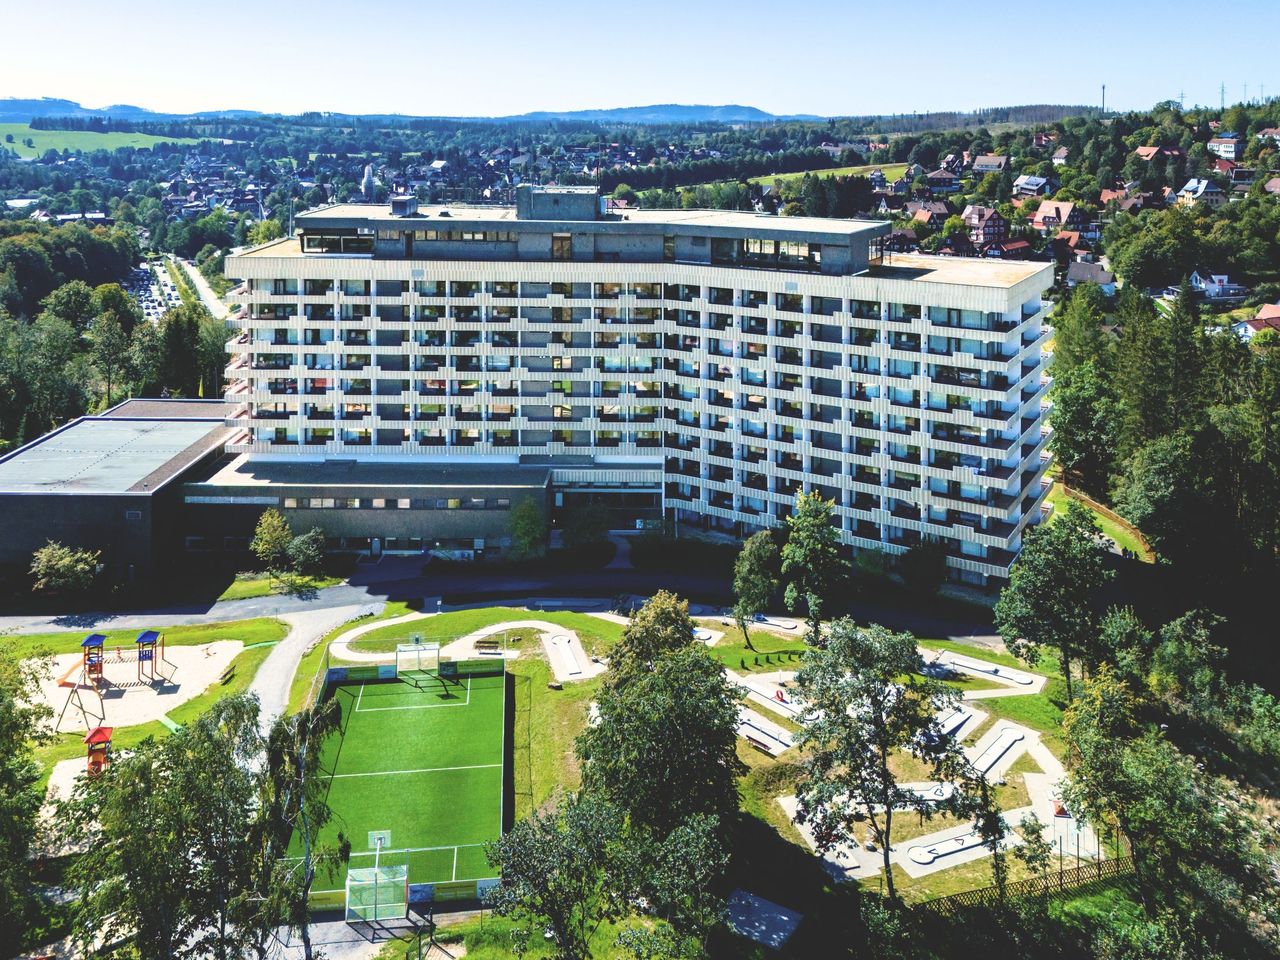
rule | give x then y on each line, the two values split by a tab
1222	97
1104	99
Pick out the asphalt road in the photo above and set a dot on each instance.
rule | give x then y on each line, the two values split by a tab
404	578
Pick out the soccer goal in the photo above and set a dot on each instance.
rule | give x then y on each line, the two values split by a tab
417	657
380	892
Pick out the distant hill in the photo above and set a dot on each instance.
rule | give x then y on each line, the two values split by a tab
13	110
664	113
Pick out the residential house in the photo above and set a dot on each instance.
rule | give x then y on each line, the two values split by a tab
1223	165
1057	215
1007	249
941	207
1028	185
1043	138
1068	245
1270	133
1060	156
986	225
1267	318
901	240
1216	288
990	163
1079	272
878	180
929	219
1229	146
1272	186
1197	192
957	245
943	181
1150	153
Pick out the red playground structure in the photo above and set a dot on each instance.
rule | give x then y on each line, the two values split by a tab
98	741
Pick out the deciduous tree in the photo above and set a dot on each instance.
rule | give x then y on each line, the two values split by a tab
812	563
755	580
60	569
1051	598
568	869
865	698
664	748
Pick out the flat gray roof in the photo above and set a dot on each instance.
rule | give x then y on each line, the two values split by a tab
441	217
169	409
110	454
968	271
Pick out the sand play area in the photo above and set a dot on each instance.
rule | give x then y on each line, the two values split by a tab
120	698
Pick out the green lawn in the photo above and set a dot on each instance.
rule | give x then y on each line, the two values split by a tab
772	652
547	722
249	632
75	140
597	635
425	761
1124	534
246	587
892	171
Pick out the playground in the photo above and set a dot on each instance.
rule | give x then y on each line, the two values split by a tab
416	776
124	684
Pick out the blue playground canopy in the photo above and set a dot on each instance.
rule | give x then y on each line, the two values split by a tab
148	636
93	640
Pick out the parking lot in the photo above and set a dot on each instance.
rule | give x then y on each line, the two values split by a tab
151	287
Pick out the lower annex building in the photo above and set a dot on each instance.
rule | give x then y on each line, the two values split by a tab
401	376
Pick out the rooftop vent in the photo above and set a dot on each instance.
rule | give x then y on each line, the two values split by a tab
404	206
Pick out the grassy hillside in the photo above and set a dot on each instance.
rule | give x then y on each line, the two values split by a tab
892	171
74	140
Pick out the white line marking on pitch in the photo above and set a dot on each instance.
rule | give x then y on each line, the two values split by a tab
392	773
417	706
455	863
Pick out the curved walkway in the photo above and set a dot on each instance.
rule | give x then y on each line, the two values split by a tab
565	653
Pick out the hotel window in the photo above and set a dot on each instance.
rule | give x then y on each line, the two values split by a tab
379	503
453	503
388	234
561	246
668	248
291	503
403	504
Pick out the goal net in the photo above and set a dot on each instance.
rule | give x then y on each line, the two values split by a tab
417	658
377	893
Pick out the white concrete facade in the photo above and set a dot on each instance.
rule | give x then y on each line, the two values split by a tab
911	391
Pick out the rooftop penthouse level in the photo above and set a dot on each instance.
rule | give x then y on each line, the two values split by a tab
566	224
741	356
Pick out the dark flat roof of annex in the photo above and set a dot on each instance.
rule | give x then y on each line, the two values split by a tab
128	449
247	471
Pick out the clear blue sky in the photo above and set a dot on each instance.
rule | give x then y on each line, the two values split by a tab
498	57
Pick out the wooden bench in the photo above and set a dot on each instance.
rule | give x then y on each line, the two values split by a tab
488	646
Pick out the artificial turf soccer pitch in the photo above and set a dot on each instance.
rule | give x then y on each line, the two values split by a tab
421	757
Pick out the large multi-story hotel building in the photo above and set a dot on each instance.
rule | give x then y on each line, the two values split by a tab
704	364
